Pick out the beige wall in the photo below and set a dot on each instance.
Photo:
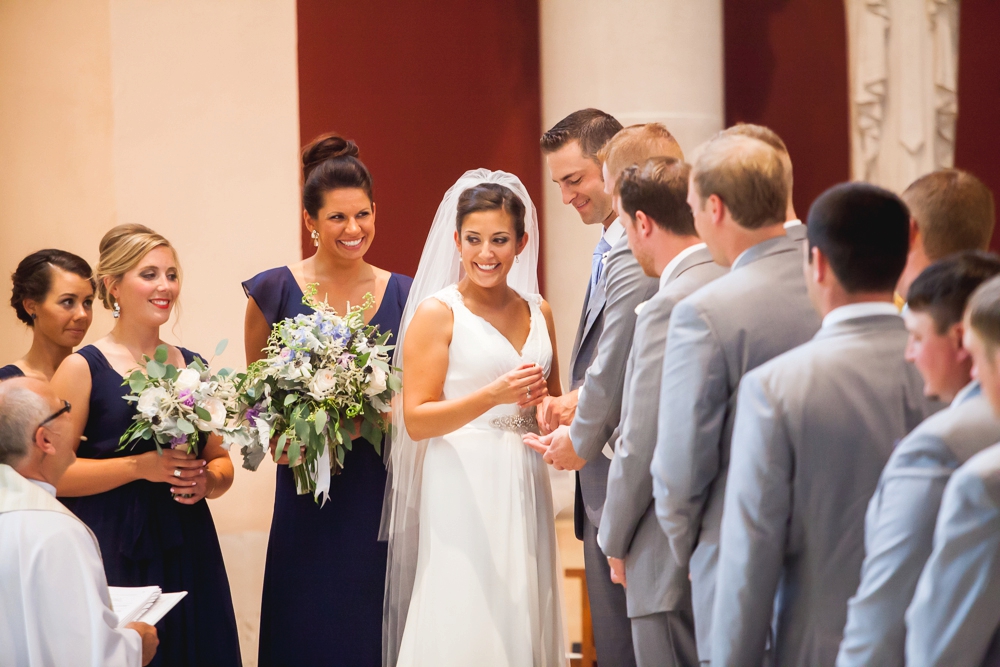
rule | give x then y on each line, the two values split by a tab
182	116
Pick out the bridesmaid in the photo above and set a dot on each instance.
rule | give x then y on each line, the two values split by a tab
148	536
325	572
54	295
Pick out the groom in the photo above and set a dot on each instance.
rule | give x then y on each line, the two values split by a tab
604	337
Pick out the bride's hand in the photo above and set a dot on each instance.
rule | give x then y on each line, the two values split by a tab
525	386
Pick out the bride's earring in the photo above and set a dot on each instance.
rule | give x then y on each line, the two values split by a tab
315	238
117	311
517	259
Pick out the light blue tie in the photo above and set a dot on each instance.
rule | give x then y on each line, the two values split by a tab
598	262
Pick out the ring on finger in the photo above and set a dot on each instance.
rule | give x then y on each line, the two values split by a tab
177	472
529	392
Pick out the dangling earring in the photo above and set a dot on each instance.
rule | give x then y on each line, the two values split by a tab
116	312
315	238
517	259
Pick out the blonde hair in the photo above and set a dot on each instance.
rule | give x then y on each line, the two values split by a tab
636	144
954	211
122	248
769	137
747	175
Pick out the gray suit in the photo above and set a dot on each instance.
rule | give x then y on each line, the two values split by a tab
622	287
814	428
955	613
899	527
732	325
629	530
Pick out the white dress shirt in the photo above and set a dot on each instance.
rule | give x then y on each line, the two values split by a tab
55	609
853	311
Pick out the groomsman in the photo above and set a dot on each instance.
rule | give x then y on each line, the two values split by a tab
814	427
955	613
793	226
950	211
652	200
899	525
570	148
738	195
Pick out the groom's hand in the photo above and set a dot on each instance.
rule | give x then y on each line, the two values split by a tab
556	411
617	566
556	449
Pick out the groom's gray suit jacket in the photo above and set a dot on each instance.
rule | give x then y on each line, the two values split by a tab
955	614
629	530
622	287
899	527
727	328
814	428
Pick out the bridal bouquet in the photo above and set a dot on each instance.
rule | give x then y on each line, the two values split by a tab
321	372
174	407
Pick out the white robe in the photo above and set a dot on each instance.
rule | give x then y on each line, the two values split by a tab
54	603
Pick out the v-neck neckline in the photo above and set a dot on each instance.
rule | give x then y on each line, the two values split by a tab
531	323
392	276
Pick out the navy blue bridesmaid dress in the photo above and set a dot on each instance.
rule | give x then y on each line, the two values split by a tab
149	539
10	371
325	574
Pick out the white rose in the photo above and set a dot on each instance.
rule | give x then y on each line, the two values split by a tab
376	382
188	379
216	409
323	382
150	400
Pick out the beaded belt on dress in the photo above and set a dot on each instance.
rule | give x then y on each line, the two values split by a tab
520	423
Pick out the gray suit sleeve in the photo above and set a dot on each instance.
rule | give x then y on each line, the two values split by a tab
953	617
899	538
694	395
754	526
630	486
599	410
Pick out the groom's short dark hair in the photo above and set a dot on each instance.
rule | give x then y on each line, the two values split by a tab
591	127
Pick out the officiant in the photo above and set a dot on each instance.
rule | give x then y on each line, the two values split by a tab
54	603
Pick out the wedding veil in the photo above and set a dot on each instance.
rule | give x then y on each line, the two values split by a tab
440	266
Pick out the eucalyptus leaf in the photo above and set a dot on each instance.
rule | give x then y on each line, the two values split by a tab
377	444
161	354
302	429
294	455
394	383
280	447
378	363
221	347
370	432
155	369
137	382
321	419
184	426
202	413
340	456
172	372
290	399
381	340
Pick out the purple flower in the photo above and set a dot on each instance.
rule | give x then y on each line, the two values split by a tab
178	440
286	354
251	413
186	397
345	360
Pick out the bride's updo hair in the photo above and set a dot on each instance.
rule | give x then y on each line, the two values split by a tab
122	248
491	197
331	162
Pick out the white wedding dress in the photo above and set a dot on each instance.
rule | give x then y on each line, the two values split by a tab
486	590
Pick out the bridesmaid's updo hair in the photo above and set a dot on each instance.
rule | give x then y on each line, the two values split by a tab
491	197
33	277
122	249
331	162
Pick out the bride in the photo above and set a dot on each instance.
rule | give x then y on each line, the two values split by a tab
472	574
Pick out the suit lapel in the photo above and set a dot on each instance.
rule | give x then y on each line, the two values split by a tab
594	306
580	329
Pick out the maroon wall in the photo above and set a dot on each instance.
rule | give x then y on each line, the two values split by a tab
977	136
786	68
428	90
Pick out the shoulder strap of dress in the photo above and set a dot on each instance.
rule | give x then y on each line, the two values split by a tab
449	296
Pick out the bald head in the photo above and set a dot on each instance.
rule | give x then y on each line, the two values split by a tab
24	403
746	174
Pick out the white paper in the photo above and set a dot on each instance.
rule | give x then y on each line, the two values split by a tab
163	604
129	603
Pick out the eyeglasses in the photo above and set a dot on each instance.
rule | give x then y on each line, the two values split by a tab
59	413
